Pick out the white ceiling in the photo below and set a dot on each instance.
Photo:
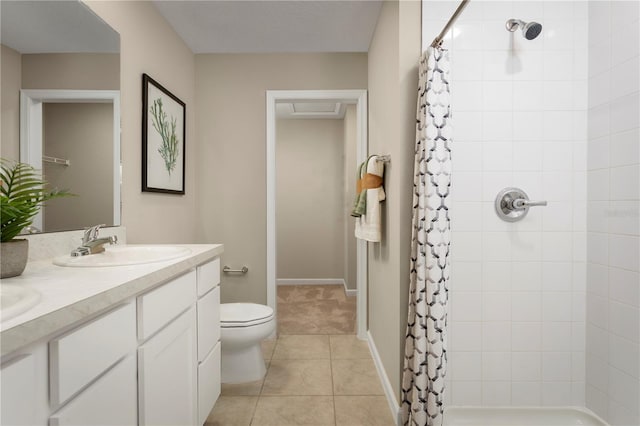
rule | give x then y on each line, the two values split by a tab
55	27
268	26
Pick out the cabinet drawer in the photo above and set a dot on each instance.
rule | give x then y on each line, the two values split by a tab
81	355
208	384
208	322
111	400
158	307
208	276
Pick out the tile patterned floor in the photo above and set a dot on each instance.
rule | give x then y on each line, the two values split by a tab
325	377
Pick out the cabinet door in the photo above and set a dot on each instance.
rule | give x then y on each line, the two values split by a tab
111	400
24	398
167	374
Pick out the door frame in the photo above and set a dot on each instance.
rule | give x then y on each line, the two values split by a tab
355	97
31	127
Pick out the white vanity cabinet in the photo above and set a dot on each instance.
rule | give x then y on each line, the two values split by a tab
24	392
153	359
167	374
208	308
181	362
77	358
167	362
84	376
110	400
92	370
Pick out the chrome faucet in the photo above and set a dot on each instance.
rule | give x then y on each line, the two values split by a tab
91	244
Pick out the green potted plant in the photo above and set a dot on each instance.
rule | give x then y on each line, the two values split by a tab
21	197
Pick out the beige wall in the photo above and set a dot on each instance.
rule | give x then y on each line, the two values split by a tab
393	58
77	71
83	134
231	130
309	198
91	181
149	45
10	75
349	193
408	57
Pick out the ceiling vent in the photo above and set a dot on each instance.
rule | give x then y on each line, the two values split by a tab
314	110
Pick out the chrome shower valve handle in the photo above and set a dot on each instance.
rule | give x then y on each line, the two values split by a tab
522	203
512	204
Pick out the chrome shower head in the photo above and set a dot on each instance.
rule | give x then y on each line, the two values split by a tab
530	30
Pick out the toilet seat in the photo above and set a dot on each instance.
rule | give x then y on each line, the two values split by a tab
239	315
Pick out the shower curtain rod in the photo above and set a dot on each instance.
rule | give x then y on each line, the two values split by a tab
438	40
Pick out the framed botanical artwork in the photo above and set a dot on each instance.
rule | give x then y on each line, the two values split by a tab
163	139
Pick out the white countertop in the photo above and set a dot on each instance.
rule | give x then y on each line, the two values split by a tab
71	295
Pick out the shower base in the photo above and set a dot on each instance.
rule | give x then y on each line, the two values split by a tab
507	416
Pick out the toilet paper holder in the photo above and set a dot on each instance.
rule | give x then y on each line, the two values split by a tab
227	270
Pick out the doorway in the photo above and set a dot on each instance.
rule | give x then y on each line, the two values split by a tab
354	97
89	184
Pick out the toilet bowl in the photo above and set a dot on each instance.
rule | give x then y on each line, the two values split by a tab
243	328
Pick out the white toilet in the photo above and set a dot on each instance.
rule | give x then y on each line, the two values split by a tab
243	327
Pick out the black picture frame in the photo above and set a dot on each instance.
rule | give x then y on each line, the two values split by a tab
163	139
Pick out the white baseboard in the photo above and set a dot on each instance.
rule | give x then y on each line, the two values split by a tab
386	384
350	292
310	281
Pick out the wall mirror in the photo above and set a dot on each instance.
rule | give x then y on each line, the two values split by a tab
61	107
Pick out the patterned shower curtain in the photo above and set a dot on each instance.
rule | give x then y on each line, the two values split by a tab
425	362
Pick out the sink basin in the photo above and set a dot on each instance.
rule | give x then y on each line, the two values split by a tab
124	255
15	299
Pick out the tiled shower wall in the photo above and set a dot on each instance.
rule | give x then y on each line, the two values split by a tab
517	311
613	224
